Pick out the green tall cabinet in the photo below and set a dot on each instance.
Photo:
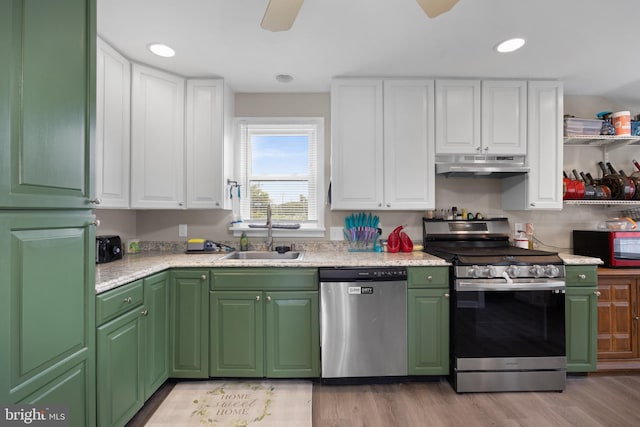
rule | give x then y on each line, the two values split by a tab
47	236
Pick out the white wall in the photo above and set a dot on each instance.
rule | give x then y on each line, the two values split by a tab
476	194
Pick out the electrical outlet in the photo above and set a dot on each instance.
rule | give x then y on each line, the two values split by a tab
335	233
182	230
519	226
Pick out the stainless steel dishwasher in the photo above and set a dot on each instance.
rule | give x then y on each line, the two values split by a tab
363	322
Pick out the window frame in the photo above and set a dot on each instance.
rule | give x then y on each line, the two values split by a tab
312	229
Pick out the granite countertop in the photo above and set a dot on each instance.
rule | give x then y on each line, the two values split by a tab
136	266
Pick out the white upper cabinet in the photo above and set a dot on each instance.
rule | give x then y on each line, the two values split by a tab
382	144
112	158
457	116
481	117
541	188
208	143
409	165
504	117
157	139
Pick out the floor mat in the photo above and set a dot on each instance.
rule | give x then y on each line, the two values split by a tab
236	404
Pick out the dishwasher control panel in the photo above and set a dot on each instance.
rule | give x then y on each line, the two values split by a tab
358	274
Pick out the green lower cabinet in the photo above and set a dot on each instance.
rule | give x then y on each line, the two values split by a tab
237	337
120	368
428	332
292	334
189	331
156	361
581	315
428	320
265	323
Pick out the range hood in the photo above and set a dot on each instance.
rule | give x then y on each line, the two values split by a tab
493	166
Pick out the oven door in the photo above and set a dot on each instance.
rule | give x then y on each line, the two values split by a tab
516	319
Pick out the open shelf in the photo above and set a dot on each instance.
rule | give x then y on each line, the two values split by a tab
601	140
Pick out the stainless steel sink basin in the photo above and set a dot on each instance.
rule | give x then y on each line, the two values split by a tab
264	256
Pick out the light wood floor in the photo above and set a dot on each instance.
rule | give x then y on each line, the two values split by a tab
588	401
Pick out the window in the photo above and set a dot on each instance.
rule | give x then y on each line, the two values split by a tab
281	164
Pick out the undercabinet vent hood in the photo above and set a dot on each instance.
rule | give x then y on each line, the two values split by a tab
470	165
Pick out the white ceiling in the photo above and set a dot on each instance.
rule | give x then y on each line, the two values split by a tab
590	45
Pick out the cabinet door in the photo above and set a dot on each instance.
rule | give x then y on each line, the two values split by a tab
204	144
113	99
457	116
237	334
504	117
189	333
541	187
156	301
120	368
157	139
581	326
428	331
47	91
356	144
617	329
47	305
409	166
292	334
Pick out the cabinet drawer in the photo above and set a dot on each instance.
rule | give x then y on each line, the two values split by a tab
272	279
428	277
582	275
117	301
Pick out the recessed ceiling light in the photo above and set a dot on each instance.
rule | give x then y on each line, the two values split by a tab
284	78
510	45
162	50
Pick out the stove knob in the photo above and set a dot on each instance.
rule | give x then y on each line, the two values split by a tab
551	270
513	271
475	271
537	270
491	271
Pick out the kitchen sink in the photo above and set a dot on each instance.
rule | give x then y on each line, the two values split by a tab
264	256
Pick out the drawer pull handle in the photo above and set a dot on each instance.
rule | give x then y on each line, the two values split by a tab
128	300
446	296
582	276
596	293
430	278
203	277
145	312
268	297
257	297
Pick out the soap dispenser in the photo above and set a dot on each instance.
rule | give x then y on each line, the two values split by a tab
244	242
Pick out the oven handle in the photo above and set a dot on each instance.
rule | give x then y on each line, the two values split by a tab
493	285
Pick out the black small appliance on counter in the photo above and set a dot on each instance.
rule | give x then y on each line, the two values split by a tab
108	248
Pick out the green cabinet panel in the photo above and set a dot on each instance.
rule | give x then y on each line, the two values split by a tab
292	334
581	314
120	373
428	331
428	277
47	301
69	389
110	305
237	337
262	279
156	333
47	90
189	331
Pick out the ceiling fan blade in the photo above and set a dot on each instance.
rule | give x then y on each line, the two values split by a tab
280	14
434	8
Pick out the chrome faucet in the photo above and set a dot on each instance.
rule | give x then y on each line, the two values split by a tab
269	240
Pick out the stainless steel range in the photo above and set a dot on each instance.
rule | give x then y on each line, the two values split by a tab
507	308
